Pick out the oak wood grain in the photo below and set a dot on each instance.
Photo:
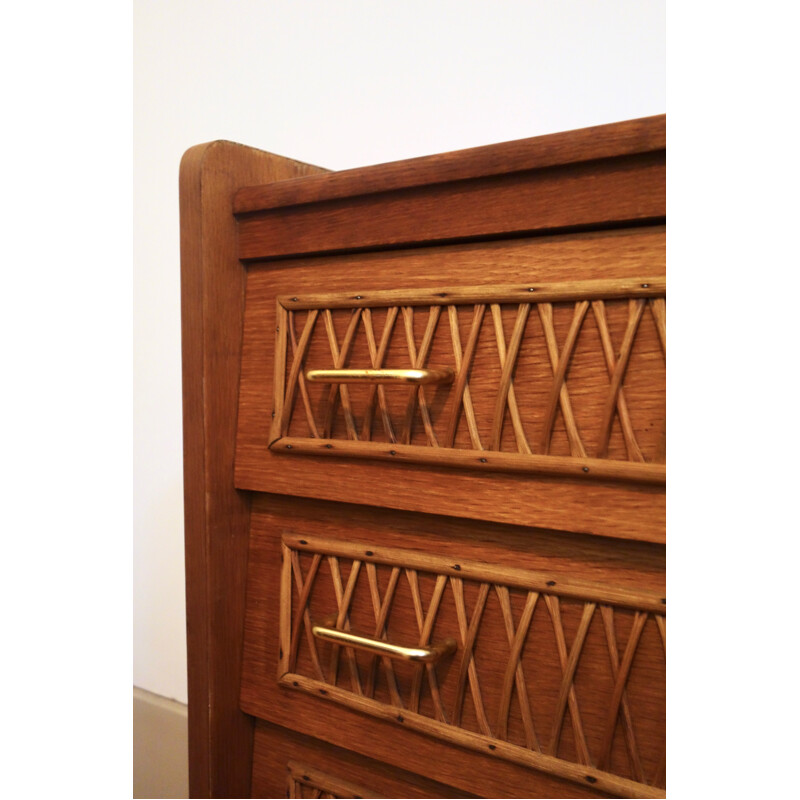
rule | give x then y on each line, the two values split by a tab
575	504
216	516
583	205
608	192
600	141
281	753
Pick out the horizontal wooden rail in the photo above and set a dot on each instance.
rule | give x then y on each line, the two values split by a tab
480	571
491	461
615	192
564	291
599	141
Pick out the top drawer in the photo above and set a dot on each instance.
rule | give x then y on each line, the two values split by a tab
552	409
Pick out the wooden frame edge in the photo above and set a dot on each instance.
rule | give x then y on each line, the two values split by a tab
216	514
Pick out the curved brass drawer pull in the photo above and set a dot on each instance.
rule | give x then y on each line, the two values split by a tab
427	654
412	376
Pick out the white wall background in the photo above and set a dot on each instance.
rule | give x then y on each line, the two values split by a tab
340	84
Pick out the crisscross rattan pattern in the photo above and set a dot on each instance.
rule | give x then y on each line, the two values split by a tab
306	781
534	425
489	585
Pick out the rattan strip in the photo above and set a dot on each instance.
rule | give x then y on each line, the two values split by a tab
343	599
569	664
546	316
302	617
339	360
514	672
545	583
301	382
632	446
418	360
425	623
463	373
489	461
506	394
636	307
469	409
297	363
377	355
285	612
585	776
660	774
329	785
564	291
467	667
607	614
380	607
279	372
619	687
559	378
338	591
658	307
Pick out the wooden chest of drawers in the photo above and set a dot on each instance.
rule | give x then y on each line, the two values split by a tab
425	469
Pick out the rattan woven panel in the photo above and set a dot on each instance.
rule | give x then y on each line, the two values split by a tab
306	781
566	677
571	382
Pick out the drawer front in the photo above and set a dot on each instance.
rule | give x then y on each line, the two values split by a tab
555	396
560	670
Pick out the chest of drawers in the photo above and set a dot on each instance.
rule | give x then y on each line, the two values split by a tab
425	469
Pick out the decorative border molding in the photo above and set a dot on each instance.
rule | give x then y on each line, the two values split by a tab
295	626
641	292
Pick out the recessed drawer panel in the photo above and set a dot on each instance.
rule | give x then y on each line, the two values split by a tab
555	378
553	396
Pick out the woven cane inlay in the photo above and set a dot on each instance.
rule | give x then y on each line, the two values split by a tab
561	378
305	781
563	676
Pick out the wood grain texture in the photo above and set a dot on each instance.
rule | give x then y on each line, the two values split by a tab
600	141
602	193
283	757
554	265
581	206
216	516
636	569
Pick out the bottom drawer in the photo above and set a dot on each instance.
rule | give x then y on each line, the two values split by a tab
288	764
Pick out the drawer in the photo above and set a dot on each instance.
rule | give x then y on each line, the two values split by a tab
537	378
540	652
287	764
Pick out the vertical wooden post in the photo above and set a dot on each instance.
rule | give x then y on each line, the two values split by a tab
216	515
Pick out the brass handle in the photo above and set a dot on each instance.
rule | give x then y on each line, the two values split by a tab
427	654
413	376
